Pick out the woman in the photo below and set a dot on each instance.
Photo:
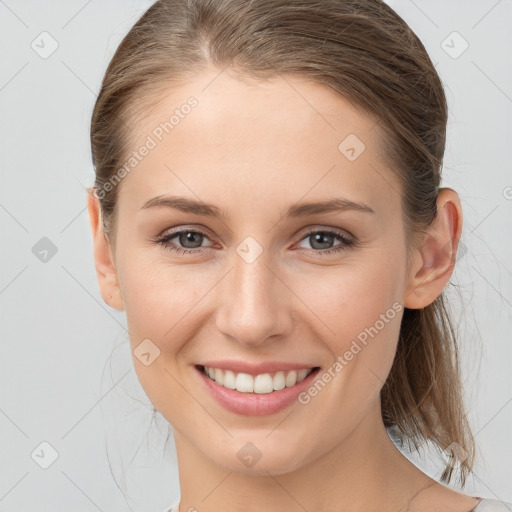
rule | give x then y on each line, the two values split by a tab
267	210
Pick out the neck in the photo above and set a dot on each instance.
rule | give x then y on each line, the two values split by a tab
363	472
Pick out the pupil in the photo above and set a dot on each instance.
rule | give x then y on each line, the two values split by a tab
190	236
318	237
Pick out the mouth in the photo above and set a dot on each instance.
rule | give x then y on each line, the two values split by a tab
255	394
262	383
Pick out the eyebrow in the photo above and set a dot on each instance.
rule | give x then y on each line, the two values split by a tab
186	205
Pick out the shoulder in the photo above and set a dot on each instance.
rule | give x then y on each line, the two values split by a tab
438	497
491	505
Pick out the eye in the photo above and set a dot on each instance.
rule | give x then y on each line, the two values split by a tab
191	240
321	241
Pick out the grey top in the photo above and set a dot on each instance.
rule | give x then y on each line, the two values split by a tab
484	505
488	505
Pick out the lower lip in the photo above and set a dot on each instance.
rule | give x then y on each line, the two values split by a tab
255	404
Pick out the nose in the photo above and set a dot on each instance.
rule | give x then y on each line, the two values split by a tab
254	303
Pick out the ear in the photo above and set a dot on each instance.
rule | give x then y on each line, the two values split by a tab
433	260
103	256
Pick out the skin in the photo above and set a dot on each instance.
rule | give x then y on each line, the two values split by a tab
253	149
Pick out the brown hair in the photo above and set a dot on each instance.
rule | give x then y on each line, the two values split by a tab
368	54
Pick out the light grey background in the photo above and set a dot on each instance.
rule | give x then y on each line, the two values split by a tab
59	383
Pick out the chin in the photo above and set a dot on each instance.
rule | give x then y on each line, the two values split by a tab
260	457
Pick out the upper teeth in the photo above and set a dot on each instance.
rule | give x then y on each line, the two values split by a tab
264	383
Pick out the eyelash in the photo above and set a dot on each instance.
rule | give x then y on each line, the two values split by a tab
347	244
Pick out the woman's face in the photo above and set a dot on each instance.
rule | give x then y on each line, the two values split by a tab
267	283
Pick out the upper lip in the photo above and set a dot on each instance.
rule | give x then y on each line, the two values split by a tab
256	368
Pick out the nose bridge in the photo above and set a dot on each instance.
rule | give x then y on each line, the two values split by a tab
251	308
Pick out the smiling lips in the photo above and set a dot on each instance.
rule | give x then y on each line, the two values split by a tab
255	390
263	383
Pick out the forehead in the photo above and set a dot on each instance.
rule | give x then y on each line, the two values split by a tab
284	135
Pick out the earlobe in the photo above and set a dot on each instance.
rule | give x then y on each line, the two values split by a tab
434	258
103	257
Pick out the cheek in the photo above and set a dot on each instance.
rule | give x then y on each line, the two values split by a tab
358	309
362	309
350	298
163	305
160	297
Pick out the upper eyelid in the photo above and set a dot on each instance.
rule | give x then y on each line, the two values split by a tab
177	231
335	231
